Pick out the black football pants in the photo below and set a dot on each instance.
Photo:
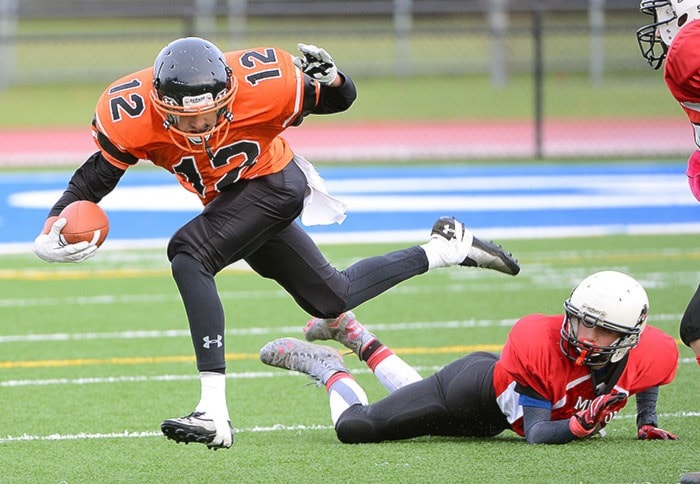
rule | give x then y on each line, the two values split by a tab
459	400
255	220
690	323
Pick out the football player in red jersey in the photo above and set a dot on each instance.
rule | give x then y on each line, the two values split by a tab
559	378
674	37
214	121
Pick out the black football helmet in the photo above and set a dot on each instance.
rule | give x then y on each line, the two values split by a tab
191	78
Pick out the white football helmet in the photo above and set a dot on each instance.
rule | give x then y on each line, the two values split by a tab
610	300
669	17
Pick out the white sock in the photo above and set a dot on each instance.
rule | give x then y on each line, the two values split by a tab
443	253
394	373
344	393
213	399
433	255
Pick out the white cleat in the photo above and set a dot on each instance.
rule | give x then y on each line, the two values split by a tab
460	247
198	427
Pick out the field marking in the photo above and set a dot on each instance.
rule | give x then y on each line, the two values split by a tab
255	331
265	330
272	428
691	253
245	375
120	361
147	360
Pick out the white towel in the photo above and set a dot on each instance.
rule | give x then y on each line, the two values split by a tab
319	207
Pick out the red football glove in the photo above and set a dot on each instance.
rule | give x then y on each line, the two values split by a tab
649	432
588	421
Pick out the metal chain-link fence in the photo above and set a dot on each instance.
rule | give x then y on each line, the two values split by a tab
498	78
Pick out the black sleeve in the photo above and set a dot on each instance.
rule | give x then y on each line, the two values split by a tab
538	425
540	429
331	99
95	178
646	407
336	99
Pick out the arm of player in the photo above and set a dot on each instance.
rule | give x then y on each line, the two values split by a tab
541	429
538	426
646	417
95	178
338	91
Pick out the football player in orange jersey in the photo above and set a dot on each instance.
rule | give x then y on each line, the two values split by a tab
559	377
214	121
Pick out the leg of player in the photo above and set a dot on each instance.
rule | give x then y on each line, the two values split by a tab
390	369
322	363
451	243
209	424
690	325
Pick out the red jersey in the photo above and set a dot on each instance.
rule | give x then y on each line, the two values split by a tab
272	95
682	72
532	358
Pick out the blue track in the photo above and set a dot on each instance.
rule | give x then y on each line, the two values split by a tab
613	198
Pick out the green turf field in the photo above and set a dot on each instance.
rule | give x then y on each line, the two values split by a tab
95	355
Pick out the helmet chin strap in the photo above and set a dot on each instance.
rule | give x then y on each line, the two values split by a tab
207	148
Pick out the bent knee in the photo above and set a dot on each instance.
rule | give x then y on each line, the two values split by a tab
326	307
353	430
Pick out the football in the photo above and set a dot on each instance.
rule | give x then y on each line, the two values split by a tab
86	221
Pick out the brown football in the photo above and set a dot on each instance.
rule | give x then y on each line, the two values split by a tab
85	221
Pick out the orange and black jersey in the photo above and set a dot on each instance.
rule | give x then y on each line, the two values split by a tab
273	94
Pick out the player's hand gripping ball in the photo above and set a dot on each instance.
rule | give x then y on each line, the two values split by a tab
86	221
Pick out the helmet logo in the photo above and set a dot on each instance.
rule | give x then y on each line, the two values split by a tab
587	308
203	100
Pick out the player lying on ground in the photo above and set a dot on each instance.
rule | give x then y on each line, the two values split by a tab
215	120
559	378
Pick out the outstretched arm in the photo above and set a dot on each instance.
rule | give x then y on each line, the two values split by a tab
540	429
647	420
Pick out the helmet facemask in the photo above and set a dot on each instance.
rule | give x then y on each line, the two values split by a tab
669	17
199	142
586	353
609	300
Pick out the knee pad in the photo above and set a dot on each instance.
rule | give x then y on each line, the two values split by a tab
353	428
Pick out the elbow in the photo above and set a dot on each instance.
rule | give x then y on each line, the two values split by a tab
535	439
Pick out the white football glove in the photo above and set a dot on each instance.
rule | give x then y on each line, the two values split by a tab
49	247
317	63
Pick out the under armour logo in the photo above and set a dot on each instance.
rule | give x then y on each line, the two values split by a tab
208	341
449	232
